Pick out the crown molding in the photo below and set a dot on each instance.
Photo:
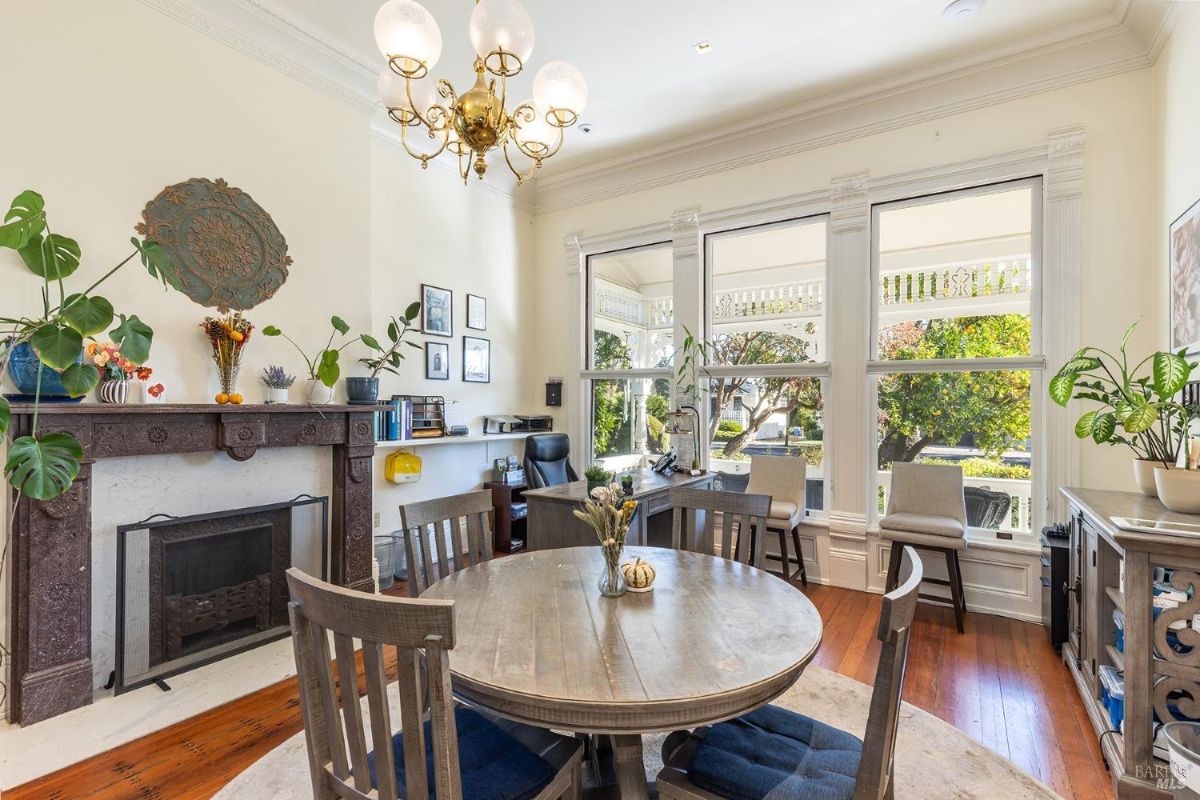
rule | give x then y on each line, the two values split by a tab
1127	39
274	38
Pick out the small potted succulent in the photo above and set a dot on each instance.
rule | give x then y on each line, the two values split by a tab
365	391
323	368
278	382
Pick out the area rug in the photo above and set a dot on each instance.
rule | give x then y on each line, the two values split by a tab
933	759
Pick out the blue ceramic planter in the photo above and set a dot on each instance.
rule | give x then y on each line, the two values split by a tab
23	367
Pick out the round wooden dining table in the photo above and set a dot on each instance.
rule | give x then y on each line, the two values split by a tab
536	642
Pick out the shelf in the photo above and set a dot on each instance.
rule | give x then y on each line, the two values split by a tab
1115	656
1116	596
482	438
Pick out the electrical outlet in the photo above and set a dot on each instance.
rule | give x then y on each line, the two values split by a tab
376	519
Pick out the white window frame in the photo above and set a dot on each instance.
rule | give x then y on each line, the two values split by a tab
810	369
1034	363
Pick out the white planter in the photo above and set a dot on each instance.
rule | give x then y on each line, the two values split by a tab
318	393
276	396
1143	473
1179	489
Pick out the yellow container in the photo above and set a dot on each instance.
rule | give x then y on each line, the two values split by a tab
402	466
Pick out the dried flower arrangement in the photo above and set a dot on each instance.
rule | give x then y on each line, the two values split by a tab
228	335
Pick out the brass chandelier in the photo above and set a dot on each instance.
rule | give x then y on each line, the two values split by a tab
473	124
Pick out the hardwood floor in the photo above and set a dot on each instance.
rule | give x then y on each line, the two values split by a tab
1000	682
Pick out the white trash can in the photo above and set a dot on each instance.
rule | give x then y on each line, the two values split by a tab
1183	745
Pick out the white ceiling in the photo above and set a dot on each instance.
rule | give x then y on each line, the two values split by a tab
648	86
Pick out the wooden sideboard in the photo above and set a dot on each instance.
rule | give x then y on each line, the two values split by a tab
1159	681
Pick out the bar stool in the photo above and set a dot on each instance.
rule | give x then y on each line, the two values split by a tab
783	478
926	510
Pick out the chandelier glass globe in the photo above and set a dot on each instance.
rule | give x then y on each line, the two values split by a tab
501	26
408	36
537	136
560	91
395	96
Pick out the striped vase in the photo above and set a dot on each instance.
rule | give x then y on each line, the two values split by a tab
112	392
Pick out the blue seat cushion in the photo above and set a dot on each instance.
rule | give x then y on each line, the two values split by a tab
494	765
776	753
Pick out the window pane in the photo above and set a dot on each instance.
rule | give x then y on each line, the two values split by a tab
768	298
629	419
978	420
955	276
767	416
632	308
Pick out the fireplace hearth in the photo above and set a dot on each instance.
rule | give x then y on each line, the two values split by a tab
195	589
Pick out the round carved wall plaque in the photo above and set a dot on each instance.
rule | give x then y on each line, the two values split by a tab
227	249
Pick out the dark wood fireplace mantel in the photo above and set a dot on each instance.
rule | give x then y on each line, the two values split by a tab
50	609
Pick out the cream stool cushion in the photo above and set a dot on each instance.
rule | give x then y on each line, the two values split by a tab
926	506
783	478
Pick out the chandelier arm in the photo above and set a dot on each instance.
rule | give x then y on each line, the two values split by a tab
524	114
464	164
521	176
436	118
424	158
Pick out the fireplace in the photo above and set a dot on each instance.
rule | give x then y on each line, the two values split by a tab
191	590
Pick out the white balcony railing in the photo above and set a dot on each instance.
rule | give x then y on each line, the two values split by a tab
955	281
1020	514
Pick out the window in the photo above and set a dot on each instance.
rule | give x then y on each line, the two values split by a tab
630	330
767	327
957	353
632	308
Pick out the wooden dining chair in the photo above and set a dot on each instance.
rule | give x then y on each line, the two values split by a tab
779	753
461	752
435	542
745	512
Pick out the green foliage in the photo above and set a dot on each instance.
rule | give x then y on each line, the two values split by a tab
323	366
917	410
1136	410
730	426
389	357
45	466
985	468
597	474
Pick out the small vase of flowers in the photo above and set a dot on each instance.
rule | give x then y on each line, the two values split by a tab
115	372
228	336
608	513
278	382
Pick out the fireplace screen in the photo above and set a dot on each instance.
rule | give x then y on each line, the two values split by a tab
195	589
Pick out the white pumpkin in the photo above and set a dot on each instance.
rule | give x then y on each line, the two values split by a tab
638	574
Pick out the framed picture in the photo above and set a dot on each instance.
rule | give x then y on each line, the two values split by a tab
1183	249
436	311
477	360
437	361
476	312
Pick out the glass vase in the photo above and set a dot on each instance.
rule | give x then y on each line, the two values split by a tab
611	582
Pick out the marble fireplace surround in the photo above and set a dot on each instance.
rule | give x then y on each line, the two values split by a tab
51	585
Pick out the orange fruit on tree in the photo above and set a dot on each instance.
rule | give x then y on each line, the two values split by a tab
222	398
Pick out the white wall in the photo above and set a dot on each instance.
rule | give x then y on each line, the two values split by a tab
1177	85
1118	187
107	103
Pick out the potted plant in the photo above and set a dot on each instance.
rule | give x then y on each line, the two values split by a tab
1136	409
44	465
596	475
365	391
1179	489
278	382
323	368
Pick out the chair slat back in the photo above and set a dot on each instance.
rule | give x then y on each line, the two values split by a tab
437	544
741	516
337	738
875	770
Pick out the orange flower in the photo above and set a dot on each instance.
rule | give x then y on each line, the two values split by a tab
144	373
91	348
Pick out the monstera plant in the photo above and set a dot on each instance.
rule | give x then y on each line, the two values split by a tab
44	465
1134	407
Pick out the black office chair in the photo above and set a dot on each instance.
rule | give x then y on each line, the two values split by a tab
546	461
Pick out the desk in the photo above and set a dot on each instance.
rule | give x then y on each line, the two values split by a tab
556	654
551	523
